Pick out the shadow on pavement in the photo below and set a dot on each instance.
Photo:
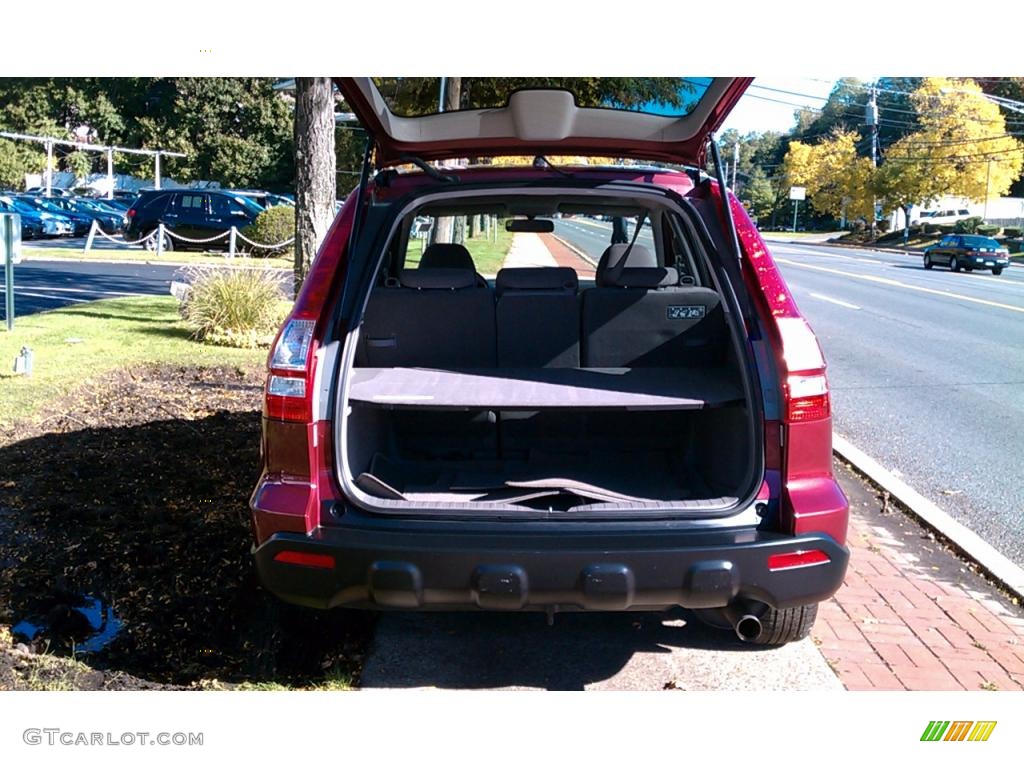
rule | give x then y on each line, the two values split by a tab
486	650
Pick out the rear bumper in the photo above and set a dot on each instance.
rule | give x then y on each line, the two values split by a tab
501	571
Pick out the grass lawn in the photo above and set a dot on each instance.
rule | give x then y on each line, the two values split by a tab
75	343
487	255
147	257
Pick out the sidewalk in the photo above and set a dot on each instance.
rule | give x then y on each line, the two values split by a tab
532	250
911	615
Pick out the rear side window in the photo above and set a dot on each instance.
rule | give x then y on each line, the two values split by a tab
191	202
155	202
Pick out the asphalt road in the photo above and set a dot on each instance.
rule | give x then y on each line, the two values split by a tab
43	285
926	370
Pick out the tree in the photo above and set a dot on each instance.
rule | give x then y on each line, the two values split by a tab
837	180
315	186
17	159
960	148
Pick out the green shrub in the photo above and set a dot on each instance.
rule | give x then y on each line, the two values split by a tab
968	226
945	229
931	229
274	225
1013	231
234	306
989	230
1014	246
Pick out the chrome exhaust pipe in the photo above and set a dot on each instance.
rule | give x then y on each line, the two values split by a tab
743	620
748	627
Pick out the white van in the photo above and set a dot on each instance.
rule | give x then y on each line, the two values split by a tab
945	216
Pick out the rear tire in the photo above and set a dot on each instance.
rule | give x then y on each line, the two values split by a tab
150	245
786	625
927	263
997	271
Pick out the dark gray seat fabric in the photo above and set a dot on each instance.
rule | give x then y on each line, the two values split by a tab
638	315
438	318
538	317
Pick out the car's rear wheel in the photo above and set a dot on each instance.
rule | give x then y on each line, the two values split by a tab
954	265
786	625
927	262
778	626
997	271
150	245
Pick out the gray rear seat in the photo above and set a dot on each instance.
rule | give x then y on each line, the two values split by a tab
436	317
638	315
538	317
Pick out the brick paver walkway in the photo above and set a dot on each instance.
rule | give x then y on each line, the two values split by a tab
897	625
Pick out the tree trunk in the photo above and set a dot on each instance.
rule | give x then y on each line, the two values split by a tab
447	230
315	169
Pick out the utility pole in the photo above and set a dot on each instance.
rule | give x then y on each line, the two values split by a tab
871	120
988	177
49	168
110	174
735	162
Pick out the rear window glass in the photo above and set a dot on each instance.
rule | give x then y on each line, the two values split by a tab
492	246
673	96
974	241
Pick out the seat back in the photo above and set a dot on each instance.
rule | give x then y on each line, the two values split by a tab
438	318
639	316
538	317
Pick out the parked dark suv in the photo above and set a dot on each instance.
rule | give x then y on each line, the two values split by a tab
191	215
647	430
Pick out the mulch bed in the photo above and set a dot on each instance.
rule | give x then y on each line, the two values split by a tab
133	495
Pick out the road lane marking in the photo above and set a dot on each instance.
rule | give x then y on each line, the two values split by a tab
898	284
77	290
48	297
834	301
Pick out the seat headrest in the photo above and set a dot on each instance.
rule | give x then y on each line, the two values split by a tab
446	256
640	269
537	279
640	277
638	256
437	279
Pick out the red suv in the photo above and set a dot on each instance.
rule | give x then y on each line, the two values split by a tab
630	415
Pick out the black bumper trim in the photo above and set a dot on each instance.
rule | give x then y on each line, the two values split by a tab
649	571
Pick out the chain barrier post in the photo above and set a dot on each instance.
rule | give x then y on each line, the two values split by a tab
91	237
231	243
159	240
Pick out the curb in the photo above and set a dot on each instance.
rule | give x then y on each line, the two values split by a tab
575	250
63	260
998	566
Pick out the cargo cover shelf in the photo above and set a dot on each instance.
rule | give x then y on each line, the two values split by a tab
533	389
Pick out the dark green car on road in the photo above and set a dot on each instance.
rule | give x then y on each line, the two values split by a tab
968	252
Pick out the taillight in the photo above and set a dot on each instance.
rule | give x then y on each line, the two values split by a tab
131	213
805	387
807	398
289	393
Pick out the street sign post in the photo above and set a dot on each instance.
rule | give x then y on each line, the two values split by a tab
796	194
10	243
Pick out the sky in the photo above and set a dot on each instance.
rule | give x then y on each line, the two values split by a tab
759	109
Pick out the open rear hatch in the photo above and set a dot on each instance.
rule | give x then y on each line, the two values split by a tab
664	119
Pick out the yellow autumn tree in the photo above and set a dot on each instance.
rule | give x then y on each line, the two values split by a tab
837	180
961	148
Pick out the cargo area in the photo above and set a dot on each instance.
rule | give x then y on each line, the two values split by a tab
534	390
